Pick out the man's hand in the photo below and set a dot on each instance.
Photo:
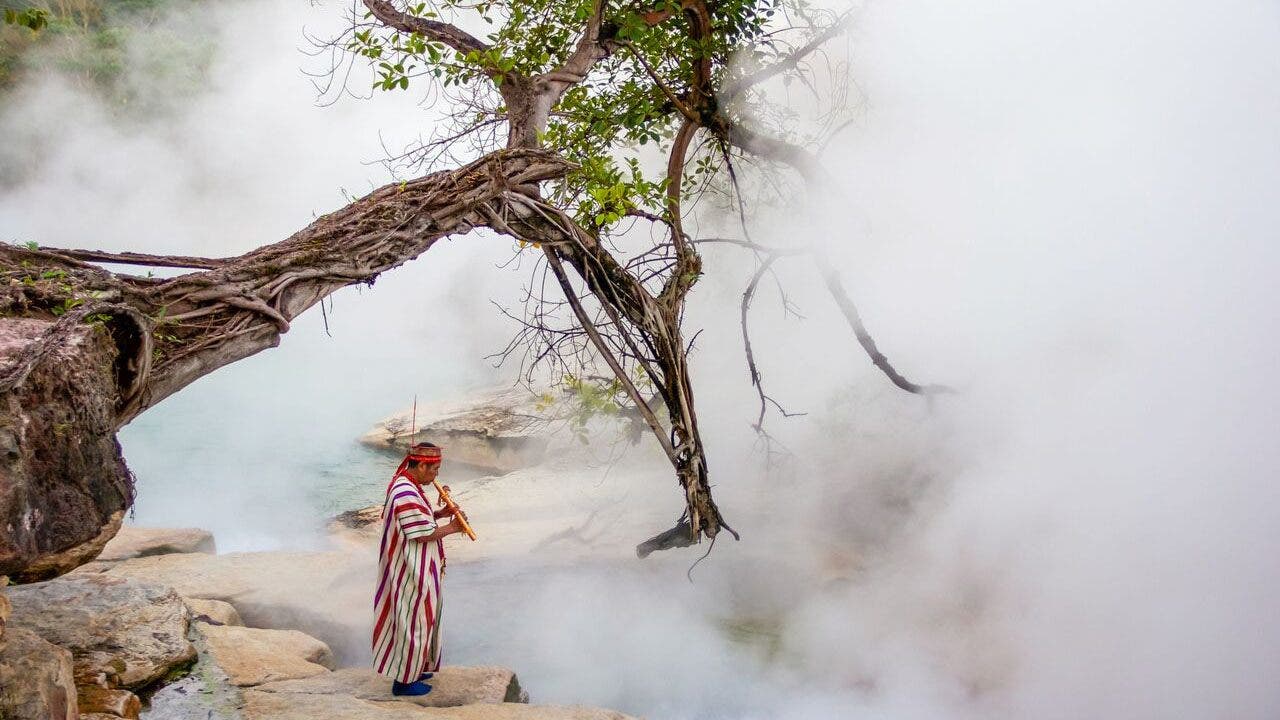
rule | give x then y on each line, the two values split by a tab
455	525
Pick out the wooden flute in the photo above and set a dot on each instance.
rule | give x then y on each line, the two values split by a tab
457	512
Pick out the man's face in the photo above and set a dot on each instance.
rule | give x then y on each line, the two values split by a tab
429	472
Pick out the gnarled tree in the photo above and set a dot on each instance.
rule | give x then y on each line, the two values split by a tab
585	90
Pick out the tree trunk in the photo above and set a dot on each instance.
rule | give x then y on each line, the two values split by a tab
64	485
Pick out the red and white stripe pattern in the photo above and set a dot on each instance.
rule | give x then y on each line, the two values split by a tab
406	631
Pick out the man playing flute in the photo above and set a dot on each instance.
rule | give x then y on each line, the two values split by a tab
406	632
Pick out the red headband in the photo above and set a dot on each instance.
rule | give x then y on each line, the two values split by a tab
420	453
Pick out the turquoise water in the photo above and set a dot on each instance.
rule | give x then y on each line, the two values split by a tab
262	452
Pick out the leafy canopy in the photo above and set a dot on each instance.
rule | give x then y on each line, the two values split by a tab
628	100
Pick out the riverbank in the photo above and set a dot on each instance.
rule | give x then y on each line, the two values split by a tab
162	628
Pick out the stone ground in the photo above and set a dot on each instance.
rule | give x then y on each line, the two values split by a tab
161	635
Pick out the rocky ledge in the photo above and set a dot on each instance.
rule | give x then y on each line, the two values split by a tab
497	430
159	636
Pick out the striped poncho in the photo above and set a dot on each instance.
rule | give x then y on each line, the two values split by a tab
406	631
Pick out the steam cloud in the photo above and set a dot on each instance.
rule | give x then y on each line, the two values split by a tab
1068	212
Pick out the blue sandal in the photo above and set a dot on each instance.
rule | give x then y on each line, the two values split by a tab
413	689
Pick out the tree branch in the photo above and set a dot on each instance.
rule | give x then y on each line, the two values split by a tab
133	258
585	55
739	85
441	32
836	287
605	352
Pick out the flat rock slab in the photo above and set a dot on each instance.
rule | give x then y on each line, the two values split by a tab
132	542
133	631
36	679
452	686
323	594
237	577
253	656
262	705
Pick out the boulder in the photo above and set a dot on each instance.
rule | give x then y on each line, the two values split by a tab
131	632
497	430
263	705
451	686
113	703
36	679
253	656
214	612
132	542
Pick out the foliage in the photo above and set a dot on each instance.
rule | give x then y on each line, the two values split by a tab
102	45
30	18
585	399
607	122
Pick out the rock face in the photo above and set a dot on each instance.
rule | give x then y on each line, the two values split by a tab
36	679
253	656
496	430
54	564
132	633
132	542
63	482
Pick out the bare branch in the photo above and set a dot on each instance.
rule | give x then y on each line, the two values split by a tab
756	247
851	315
747	295
808	166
